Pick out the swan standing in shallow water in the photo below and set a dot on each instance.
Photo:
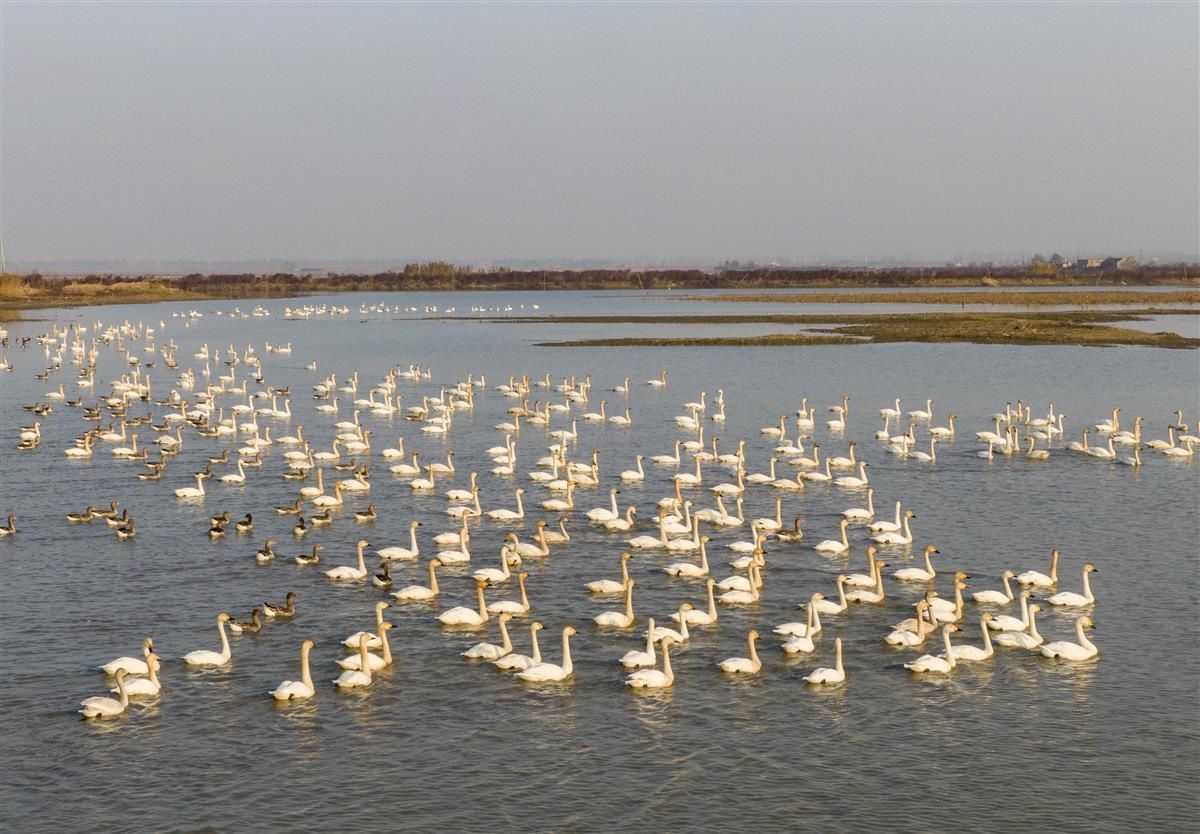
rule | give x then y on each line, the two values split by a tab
297	690
1070	599
824	674
549	672
204	657
1066	650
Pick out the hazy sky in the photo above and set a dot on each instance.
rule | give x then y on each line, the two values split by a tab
631	132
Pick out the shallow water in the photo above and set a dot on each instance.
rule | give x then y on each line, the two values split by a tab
437	742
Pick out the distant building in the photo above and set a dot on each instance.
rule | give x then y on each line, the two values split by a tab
1096	263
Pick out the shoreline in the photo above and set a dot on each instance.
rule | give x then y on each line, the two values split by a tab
37	292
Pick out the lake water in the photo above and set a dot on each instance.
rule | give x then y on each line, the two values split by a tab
440	743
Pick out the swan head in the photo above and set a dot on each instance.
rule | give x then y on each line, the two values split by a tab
1090	568
1034	608
687	606
985	619
931	549
147	645
1007	575
569	631
1087	622
819	597
223	617
909	514
752	636
379	606
361	543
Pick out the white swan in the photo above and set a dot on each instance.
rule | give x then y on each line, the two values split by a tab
897	538
944	663
828	606
804	643
461	615
694	616
492	651
346	572
357	678
691	570
1034	579
1070	599
619	619
925	574
374	661
835	545
549	672
132	665
810	628
606	513
654	678
1006	622
862	513
635	659
886	526
997	597
612	586
192	492
1066	650
514	662
495	576
864	580
975	653
398	553
1028	639
824	674
904	636
209	658
507	514
297	690
104	707
751	665
873	596
373	641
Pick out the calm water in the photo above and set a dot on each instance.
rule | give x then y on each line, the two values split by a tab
440	743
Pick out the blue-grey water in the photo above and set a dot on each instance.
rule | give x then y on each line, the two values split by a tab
1018	742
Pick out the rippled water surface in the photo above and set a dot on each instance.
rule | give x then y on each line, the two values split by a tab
440	743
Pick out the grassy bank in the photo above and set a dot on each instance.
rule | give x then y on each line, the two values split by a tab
41	291
1078	327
